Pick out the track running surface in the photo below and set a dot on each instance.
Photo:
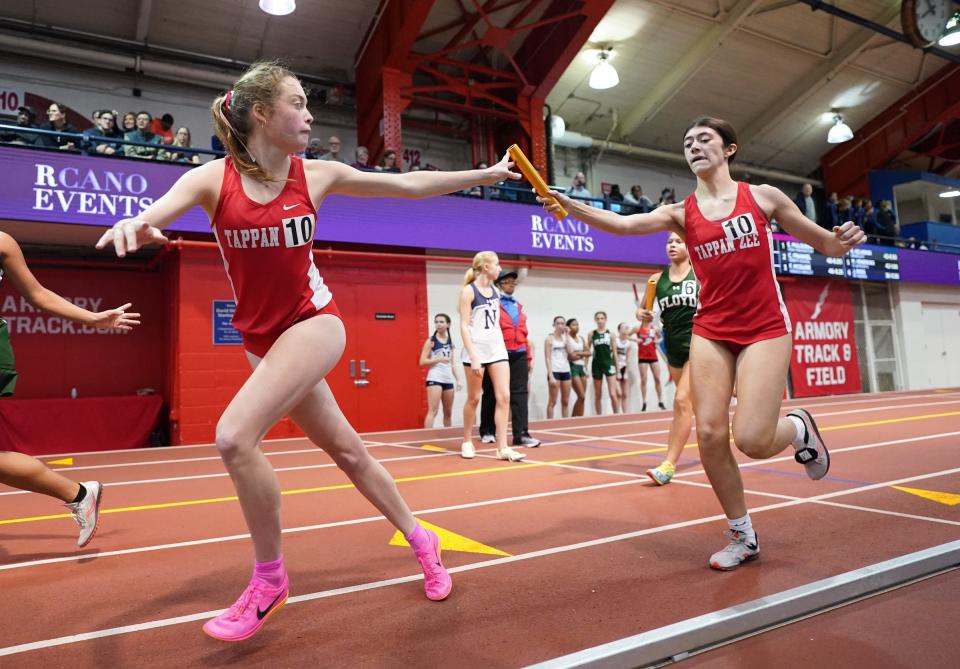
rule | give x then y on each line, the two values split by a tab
571	549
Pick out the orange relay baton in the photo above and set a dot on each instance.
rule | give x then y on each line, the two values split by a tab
528	170
650	294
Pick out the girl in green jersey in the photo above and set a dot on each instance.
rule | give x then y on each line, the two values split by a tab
604	364
677	293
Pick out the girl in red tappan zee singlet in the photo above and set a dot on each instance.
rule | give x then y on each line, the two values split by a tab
262	201
741	331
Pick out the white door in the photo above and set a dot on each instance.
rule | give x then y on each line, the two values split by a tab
941	323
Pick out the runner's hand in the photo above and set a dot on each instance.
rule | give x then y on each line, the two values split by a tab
849	234
117	318
129	234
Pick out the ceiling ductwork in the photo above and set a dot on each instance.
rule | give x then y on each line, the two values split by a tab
23	46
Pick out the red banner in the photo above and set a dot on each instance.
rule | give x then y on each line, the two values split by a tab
824	356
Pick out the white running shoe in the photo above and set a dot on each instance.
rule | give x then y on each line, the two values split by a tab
488	439
813	455
507	453
87	511
736	552
528	442
467	450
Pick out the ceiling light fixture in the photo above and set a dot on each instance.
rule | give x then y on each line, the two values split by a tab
278	7
557	126
951	34
840	132
604	75
950	193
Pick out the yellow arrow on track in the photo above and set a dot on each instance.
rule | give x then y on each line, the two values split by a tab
948	498
451	541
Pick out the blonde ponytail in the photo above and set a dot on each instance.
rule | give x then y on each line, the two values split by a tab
476	268
233	119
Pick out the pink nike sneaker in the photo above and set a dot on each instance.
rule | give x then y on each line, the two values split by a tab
437	583
248	614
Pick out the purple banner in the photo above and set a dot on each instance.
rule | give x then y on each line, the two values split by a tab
68	188
929	267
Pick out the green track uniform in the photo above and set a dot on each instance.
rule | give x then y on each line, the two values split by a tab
678	304
602	364
8	371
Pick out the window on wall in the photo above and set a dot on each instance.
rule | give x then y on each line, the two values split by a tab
876	337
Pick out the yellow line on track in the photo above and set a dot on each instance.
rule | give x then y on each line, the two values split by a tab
444	475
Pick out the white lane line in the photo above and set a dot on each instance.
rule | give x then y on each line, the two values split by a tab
485	564
576	437
310	528
208	458
669	416
174	479
852	507
837	399
847	449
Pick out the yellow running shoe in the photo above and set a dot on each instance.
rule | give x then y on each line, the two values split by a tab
662	473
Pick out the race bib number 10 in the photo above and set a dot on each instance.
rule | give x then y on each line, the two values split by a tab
298	230
738	227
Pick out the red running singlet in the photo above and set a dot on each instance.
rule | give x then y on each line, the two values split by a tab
267	251
646	344
740	298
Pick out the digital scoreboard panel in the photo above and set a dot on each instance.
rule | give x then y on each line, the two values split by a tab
871	263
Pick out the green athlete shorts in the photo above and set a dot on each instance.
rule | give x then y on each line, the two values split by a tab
577	370
677	356
8	372
599	371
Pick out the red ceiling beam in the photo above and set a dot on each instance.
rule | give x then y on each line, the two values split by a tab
503	105
382	68
547	53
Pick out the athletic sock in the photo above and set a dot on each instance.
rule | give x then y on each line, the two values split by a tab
418	539
744	526
798	441
80	495
270	573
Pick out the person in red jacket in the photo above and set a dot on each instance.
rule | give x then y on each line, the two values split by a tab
513	322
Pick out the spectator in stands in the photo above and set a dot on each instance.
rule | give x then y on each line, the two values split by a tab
579	186
869	224
667	196
389	162
314	149
361	159
845	210
333	150
26	118
216	144
641	203
805	202
163	128
142	134
832	212
106	122
887	227
615	194
57	121
129	123
95	116
858	212
181	139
